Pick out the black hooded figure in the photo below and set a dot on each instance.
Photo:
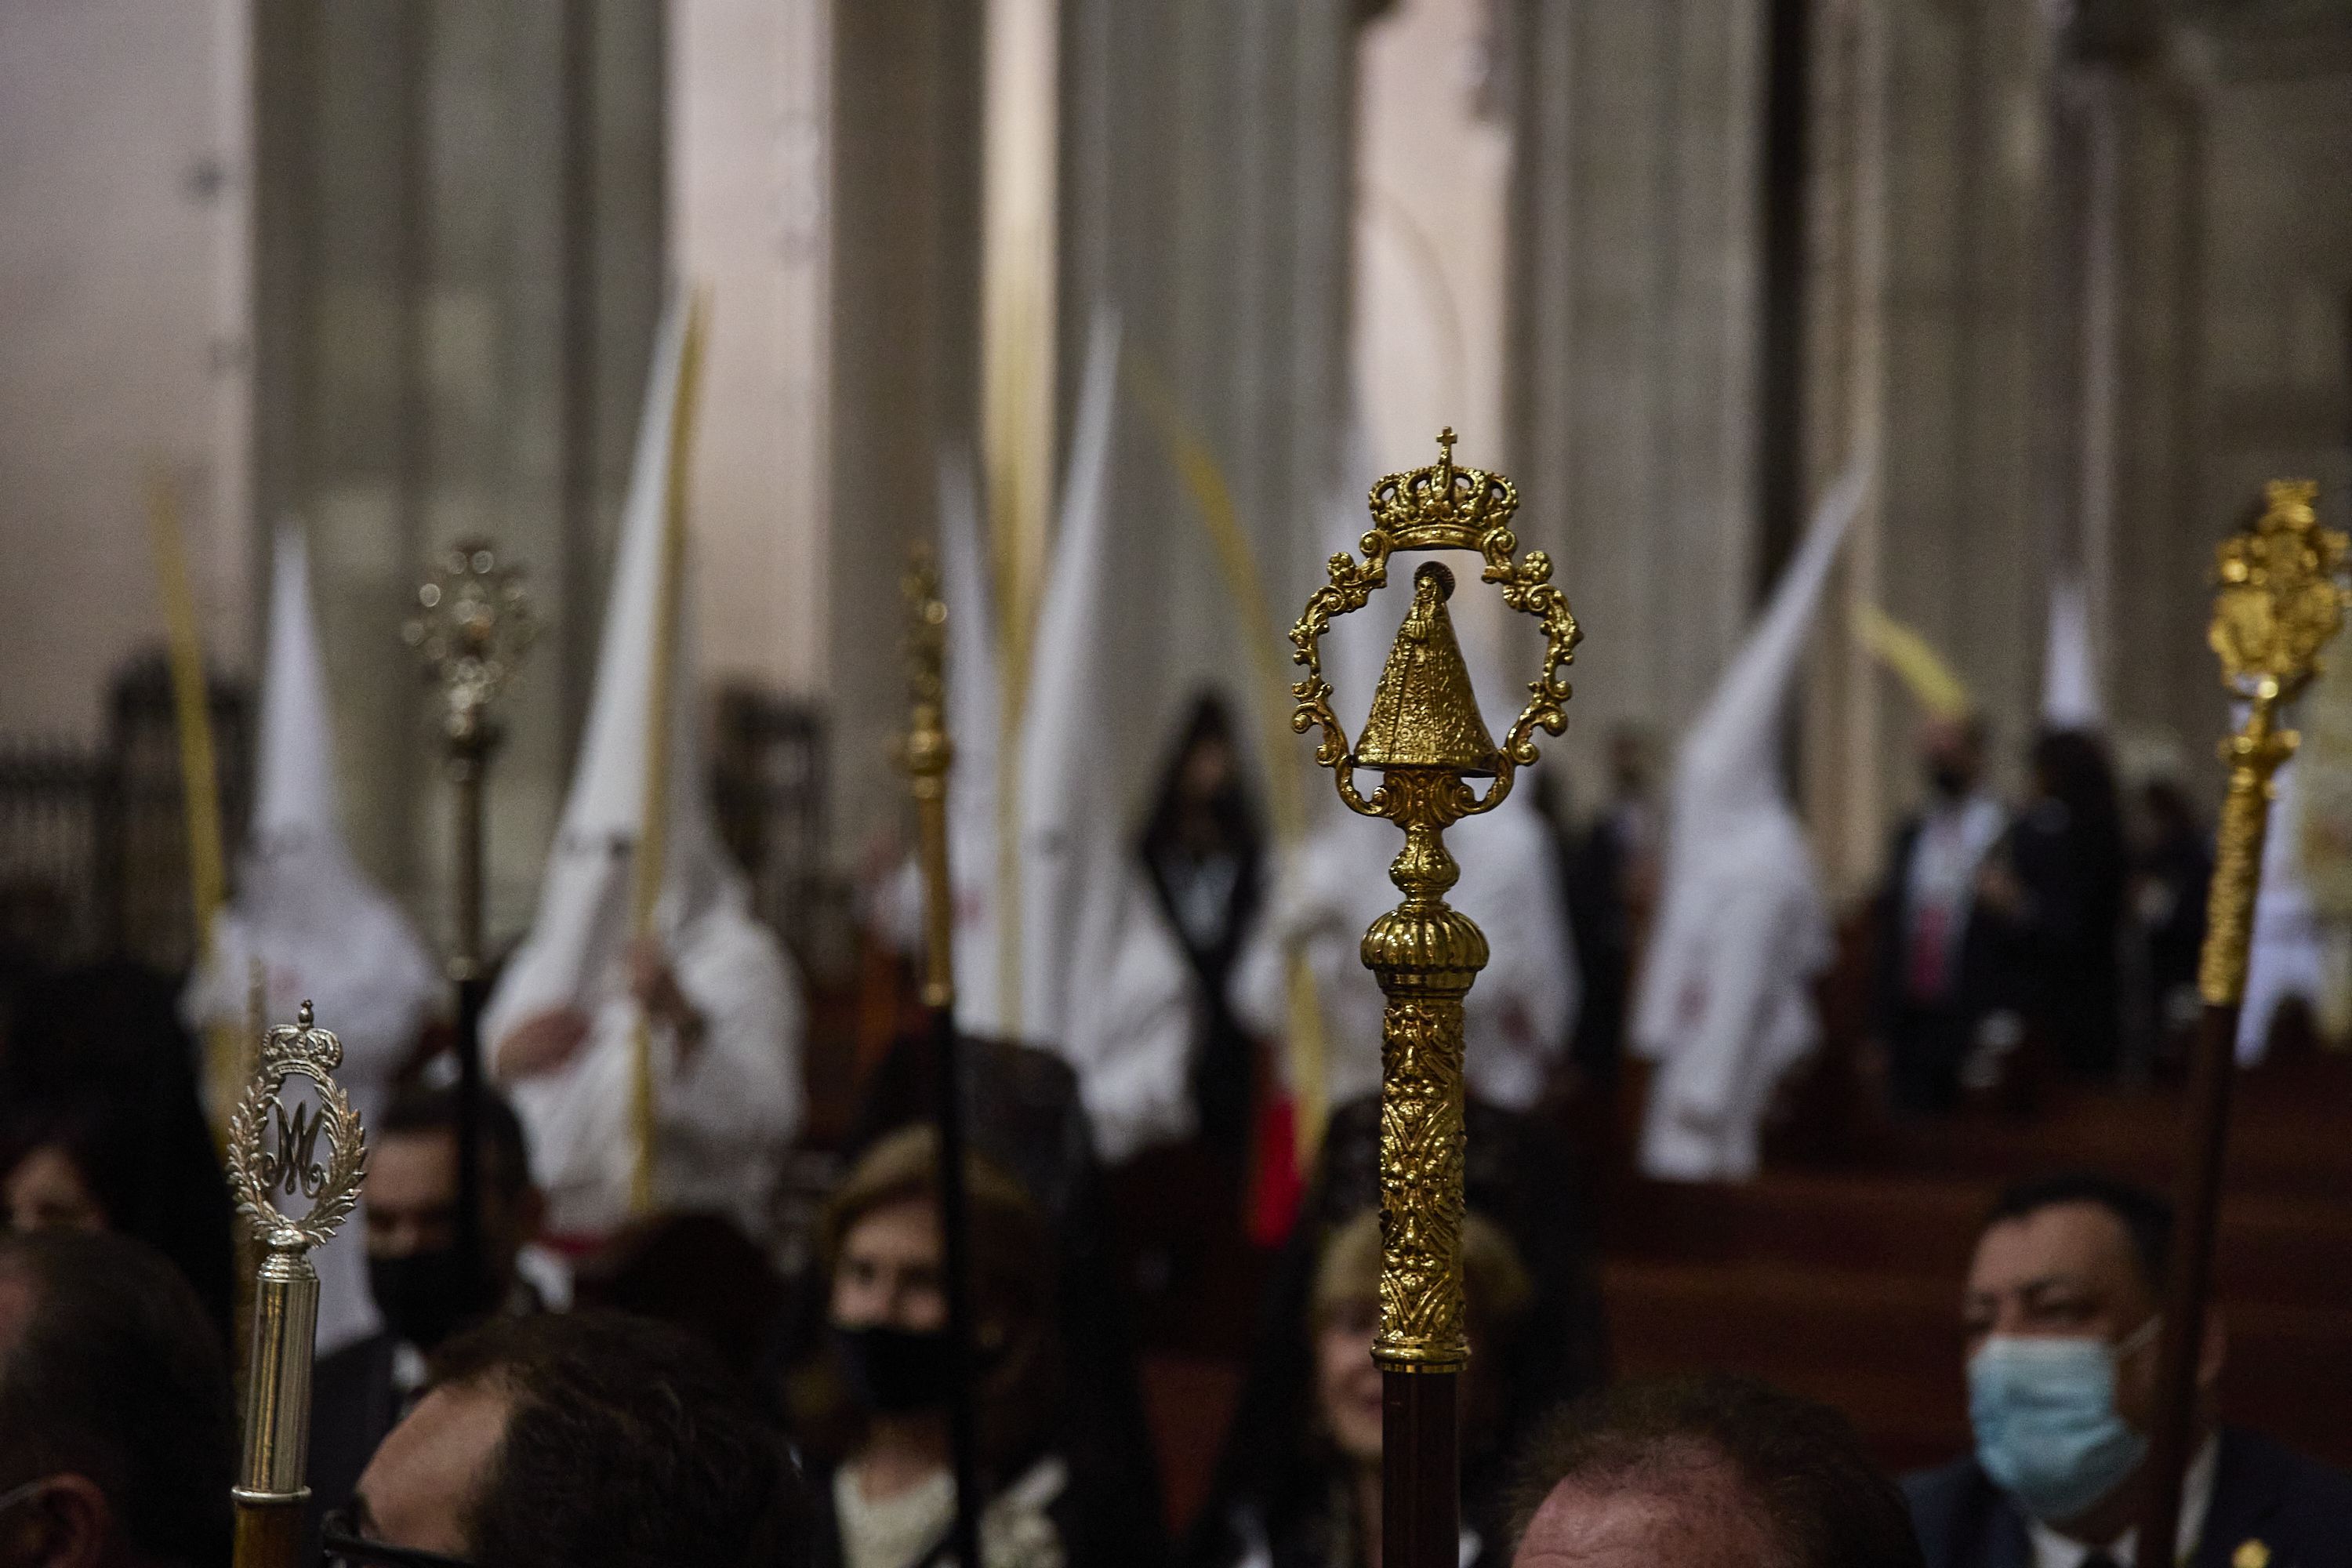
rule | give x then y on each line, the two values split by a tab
1203	852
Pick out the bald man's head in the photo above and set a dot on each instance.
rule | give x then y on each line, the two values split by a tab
1705	1471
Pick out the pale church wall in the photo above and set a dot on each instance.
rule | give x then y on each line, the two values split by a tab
123	176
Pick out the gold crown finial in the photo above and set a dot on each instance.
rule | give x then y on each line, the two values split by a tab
2282	593
1444	507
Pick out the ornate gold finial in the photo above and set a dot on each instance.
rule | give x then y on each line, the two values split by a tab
273	1153
2281	597
261	1164
473	628
1426	736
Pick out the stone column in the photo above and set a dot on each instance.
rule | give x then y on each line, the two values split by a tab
459	221
1634	286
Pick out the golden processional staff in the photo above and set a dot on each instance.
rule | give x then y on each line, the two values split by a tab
273	1151
1425	737
2281	597
473	632
926	755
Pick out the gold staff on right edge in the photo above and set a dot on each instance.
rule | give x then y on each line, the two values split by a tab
1425	737
2281	597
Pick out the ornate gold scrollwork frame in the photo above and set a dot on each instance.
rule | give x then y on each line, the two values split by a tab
1438	508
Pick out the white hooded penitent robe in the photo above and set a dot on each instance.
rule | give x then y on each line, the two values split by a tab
725	1114
320	930
1724	1005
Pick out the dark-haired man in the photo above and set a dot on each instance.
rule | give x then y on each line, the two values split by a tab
2061	1316
1707	1472
117	1442
579	1441
425	1289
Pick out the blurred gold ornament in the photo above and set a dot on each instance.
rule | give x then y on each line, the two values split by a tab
2281	597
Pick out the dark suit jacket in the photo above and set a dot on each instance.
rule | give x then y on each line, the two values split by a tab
2298	1508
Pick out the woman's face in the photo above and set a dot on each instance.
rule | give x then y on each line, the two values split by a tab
46	1191
888	1273
1346	1384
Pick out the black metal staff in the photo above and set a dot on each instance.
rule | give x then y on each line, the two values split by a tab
475	626
926	755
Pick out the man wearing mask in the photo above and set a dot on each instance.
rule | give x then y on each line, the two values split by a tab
2061	1317
1928	997
425	1287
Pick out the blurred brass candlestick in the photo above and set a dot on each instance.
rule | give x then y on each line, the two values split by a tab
273	1151
1425	737
2281	597
475	626
926	755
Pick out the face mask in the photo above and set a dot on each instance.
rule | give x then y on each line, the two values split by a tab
1951	780
2044	1413
895	1372
425	1296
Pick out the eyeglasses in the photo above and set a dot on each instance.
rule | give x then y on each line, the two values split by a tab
346	1548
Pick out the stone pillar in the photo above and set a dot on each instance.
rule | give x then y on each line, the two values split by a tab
459	261
751	175
1635	263
904	248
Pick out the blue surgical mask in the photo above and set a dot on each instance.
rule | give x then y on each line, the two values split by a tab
2044	1413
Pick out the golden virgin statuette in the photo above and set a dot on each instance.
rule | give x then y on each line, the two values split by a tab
1425	737
2281	597
273	1153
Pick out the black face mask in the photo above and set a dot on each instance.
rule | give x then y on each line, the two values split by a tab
896	1371
425	1296
1951	781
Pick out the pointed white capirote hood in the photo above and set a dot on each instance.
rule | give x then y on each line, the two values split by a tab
1102	978
1730	756
295	792
2070	682
1723	1001
304	911
322	930
975	699
582	922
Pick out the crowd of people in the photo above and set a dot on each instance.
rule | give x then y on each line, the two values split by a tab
569	1375
671	1397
